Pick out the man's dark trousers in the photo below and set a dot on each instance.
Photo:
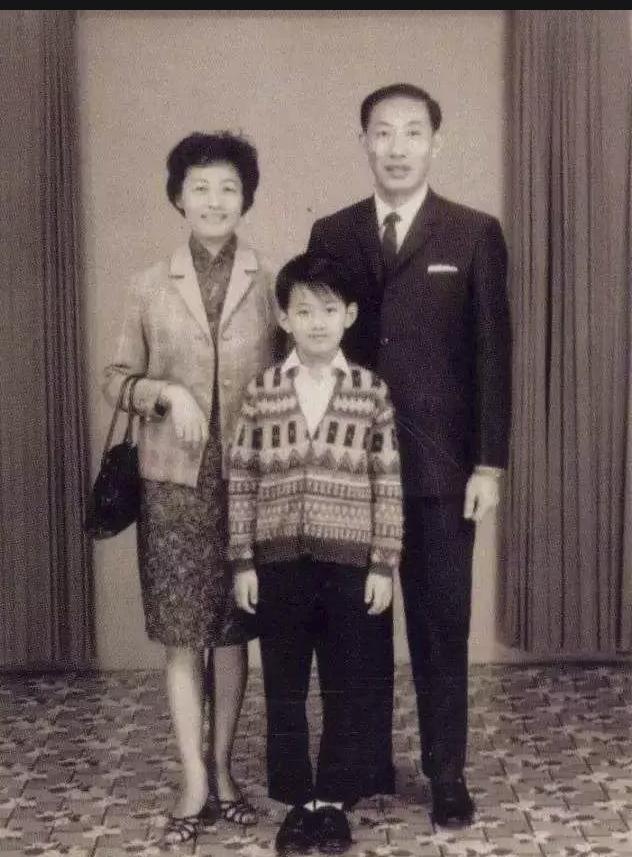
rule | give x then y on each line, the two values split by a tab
436	581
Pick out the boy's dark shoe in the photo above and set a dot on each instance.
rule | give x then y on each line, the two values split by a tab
452	805
332	833
296	834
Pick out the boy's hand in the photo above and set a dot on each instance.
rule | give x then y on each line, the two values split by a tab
378	593
246	589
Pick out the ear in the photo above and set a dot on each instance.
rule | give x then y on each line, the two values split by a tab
437	144
351	314
363	141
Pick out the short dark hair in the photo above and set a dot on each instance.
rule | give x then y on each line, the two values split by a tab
199	150
405	90
314	272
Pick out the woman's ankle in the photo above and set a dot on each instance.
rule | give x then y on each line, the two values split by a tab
193	793
225	785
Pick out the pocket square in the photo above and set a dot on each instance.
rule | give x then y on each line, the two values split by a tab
442	269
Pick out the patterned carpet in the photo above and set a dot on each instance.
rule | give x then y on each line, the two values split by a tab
88	768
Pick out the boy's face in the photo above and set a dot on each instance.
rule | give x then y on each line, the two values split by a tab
317	319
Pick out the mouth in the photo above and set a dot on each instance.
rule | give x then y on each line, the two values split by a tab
398	172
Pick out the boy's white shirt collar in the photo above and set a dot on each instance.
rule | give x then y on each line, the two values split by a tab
313	393
407	212
293	361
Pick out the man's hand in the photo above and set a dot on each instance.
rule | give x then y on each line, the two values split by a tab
378	593
246	589
481	494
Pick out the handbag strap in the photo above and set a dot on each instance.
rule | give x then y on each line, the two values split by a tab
130	411
130	382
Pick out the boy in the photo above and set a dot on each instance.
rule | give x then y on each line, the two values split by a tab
315	535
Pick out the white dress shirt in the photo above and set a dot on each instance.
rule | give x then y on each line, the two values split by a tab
314	386
407	213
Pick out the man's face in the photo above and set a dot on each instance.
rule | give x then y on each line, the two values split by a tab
400	145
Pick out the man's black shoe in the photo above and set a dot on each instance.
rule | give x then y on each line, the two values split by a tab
296	834
452	805
332	833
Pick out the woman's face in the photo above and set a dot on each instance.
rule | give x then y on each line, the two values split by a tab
212	199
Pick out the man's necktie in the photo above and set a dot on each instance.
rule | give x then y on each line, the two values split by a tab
389	240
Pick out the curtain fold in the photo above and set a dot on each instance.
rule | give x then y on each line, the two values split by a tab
565	586
46	600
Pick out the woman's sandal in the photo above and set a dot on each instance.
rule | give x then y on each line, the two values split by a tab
179	829
238	811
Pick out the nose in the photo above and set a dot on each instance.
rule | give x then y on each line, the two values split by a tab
398	144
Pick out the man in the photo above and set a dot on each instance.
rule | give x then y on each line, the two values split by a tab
434	323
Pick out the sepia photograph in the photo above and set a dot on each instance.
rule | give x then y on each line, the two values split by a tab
316	437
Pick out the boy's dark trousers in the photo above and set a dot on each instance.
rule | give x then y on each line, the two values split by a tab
308	607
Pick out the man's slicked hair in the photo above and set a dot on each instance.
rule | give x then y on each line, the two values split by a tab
400	90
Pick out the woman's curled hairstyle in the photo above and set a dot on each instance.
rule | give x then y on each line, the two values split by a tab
200	150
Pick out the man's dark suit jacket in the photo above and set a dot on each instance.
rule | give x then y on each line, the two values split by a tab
437	331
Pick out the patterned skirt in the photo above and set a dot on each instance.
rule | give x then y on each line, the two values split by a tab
182	535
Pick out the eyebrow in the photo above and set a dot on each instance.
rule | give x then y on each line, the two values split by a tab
305	305
203	179
391	124
230	183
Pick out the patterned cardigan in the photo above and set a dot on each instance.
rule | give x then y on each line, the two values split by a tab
335	495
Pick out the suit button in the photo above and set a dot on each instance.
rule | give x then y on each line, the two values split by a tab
226	382
226	336
385	340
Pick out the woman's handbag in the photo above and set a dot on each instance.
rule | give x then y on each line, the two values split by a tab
115	498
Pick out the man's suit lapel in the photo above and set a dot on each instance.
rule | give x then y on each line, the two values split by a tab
367	233
423	228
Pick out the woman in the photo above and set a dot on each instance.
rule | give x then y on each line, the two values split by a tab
198	326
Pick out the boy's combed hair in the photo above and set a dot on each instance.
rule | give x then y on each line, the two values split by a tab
315	272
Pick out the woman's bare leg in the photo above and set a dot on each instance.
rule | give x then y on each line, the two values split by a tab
186	702
228	672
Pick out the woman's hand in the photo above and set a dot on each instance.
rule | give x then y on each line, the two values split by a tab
189	421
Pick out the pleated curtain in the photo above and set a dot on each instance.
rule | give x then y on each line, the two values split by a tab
566	582
46	599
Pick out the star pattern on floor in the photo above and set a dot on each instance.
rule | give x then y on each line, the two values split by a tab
89	768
